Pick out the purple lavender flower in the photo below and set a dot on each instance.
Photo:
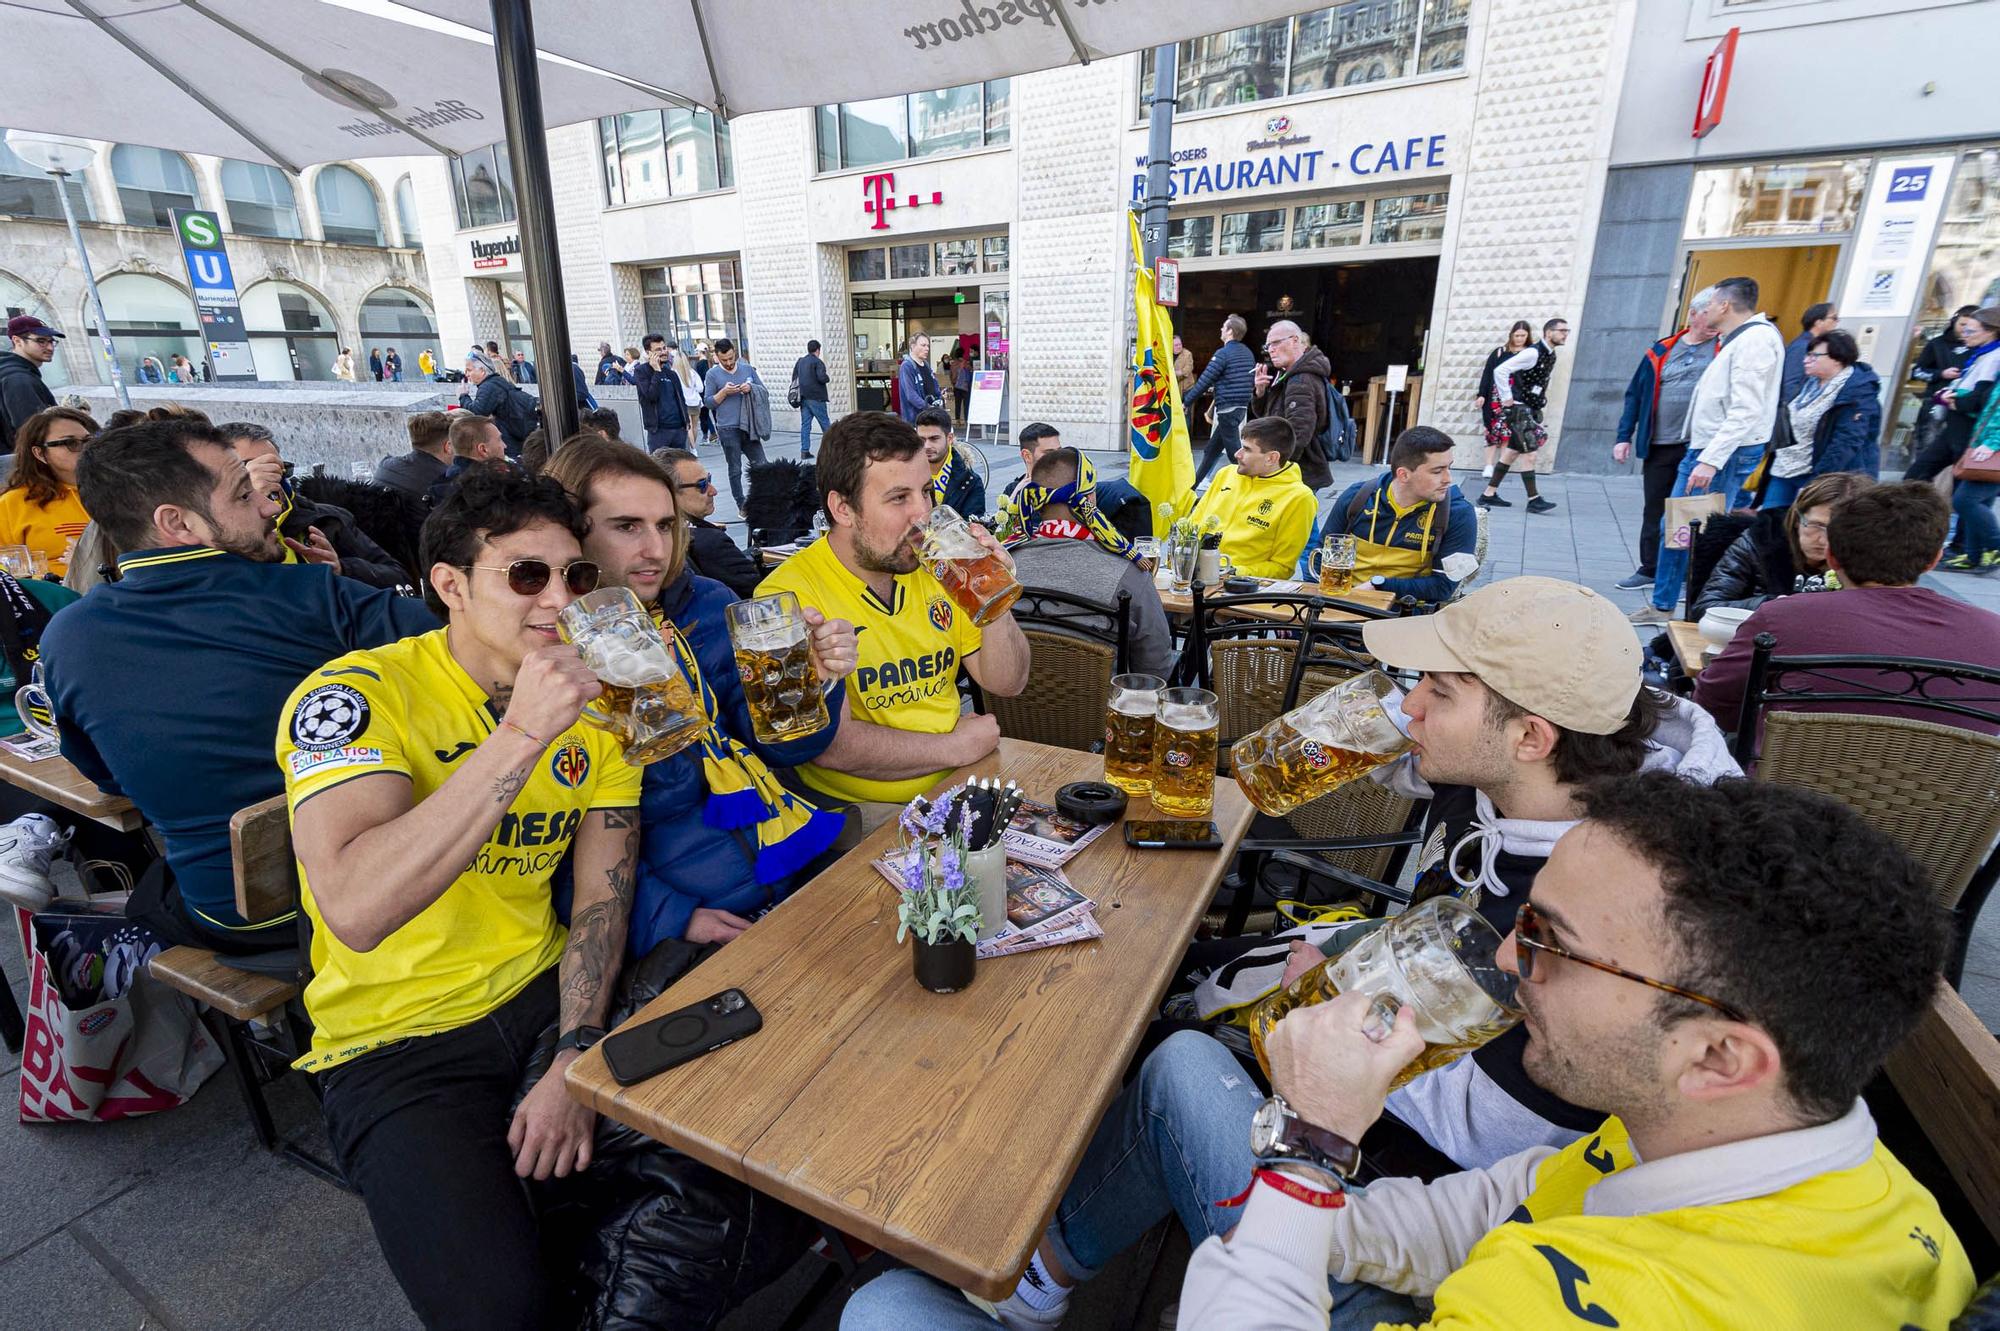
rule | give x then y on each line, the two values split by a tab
913	874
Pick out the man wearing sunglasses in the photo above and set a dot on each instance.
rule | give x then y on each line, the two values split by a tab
710	551
435	786
22	392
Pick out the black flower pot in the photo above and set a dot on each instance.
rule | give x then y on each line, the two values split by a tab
943	968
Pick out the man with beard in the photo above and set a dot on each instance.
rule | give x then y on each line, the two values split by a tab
900	727
167	684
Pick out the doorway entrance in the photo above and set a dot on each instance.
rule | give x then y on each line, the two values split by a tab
1788	277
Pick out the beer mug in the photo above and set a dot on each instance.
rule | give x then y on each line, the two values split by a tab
1437	959
973	576
647	704
1128	732
1212	566
1333	564
774	660
31	700
1146	553
16	560
1346	732
1184	741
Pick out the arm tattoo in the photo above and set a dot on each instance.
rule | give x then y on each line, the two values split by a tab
507	785
619	819
502	694
597	931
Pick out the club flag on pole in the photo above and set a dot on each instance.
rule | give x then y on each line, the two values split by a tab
1162	467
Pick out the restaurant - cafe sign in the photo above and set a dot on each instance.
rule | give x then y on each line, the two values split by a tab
1198	171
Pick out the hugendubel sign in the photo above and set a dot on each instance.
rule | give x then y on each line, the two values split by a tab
223	333
504	252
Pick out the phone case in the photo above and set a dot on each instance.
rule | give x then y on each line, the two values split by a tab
671	1040
1212	842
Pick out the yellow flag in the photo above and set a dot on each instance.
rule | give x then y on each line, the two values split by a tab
1162	467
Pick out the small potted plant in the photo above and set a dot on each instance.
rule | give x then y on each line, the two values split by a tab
939	908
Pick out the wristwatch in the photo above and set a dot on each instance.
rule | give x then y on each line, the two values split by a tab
1279	1137
579	1039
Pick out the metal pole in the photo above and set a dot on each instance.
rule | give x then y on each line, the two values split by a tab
1159	152
534	200
90	281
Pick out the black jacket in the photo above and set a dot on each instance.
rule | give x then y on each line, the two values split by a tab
1756	567
22	394
810	371
660	404
713	555
361	558
1300	397
413	472
507	406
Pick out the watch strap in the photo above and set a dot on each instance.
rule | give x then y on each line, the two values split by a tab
579	1038
1342	1155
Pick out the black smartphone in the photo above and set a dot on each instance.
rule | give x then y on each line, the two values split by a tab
667	1042
1177	834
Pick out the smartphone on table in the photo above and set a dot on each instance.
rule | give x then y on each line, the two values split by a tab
673	1039
1172	834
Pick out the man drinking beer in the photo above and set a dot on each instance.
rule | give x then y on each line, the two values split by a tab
723	841
901	726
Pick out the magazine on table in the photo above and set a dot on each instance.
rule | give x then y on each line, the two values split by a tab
1037	834
1043	907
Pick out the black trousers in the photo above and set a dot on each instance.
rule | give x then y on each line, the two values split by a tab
156	903
420	1128
1947	442
1657	473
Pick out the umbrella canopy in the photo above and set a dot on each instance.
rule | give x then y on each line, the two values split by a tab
285	82
740	56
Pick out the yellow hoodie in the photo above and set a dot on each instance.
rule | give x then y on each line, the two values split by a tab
1266	520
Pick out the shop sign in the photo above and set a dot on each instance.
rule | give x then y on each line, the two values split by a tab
987	389
214	288
1277	134
1715	84
1905	200
502	253
878	198
1167	280
1194	175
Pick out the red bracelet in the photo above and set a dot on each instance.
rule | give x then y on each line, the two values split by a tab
1291	1187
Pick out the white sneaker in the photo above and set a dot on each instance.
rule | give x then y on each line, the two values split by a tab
27	846
1015	1315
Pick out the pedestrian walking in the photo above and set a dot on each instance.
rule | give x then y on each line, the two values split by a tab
728	390
1230	375
1521	388
809	395
1518	337
1654	427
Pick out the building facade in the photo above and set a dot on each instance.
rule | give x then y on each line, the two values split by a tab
1403	178
1856	160
328	259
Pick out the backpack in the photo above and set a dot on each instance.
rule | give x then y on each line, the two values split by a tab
1336	440
792	393
524	413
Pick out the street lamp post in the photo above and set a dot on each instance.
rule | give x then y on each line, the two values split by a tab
61	158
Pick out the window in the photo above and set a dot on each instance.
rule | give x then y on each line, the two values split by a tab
399	319
406	213
1776	199
347	211
957	258
152	320
482	187
1409	217
996	254
27	191
260	202
907	261
696	303
652	155
1340	46
921	124
1324	225
1190	237
1223	232
520	331
867	265
1261	232
151	183
291	334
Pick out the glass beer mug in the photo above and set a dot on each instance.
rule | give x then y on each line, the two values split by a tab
1184	741
1437	959
774	660
1346	732
1128	732
973	576
1334	564
646	704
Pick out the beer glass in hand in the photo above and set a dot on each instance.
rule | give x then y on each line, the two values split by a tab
646	703
1437	959
774	660
1334	564
1128	732
1346	732
1184	742
973	576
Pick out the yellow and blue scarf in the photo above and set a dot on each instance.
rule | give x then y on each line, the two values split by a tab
742	792
1080	497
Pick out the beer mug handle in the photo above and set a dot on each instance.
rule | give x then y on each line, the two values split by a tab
1314	559
32	702
1380	1023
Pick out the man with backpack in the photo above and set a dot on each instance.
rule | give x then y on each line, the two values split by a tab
491	396
1298	392
1406	522
808	395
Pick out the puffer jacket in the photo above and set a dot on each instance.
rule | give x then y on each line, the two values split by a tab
654	1240
1849	437
1300	397
1756	567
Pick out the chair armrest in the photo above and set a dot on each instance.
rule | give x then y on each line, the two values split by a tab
1318	868
1379	842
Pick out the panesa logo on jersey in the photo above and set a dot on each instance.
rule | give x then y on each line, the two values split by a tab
529	843
939	611
894	683
570	765
328	717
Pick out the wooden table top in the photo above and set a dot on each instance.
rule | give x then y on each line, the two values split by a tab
1178	603
54	780
1688	644
941	1128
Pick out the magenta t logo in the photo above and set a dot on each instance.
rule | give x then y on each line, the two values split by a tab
878	200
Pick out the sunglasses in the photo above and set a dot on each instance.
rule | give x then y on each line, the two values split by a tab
703	484
76	445
528	577
1534	934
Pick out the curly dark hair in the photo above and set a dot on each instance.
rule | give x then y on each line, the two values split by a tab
489	502
1789	907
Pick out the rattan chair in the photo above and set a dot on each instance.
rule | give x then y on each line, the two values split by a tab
1076	647
1932	786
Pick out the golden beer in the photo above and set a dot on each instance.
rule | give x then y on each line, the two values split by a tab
783	691
1437	959
1344	733
650	721
980	581
1185	738
1336	581
1128	750
1336	557
647	703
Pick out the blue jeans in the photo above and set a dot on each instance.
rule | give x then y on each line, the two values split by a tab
810	409
1222	439
1176	1140
1782	490
1973	502
1672	569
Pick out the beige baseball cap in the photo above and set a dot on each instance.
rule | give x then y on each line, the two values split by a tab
1558	650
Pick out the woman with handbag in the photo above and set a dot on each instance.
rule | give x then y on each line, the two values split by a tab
1959	403
1835	420
1975	483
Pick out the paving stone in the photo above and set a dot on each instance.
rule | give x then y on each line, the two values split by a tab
58	1283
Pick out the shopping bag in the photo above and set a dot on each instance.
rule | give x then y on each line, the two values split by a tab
1683	509
104	1039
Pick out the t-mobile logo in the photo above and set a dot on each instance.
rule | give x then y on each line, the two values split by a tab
878	198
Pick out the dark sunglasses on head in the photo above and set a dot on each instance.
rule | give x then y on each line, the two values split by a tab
1533	934
528	577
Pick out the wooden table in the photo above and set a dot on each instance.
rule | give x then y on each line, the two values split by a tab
1177	603
54	780
940	1128
1688	644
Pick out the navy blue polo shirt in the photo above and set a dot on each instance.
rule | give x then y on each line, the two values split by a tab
168	684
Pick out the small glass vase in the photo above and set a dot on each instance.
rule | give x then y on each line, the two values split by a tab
945	967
